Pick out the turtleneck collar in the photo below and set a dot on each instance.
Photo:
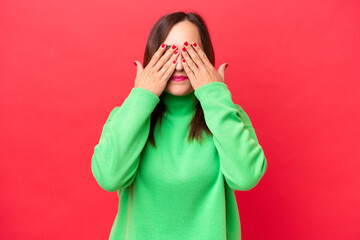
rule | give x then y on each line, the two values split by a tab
178	105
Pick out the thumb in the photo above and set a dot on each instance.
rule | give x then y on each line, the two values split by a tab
221	70
139	67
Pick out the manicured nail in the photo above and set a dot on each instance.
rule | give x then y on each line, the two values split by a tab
184	50
174	61
185	43
183	59
163	45
135	63
194	44
176	51
226	65
173	46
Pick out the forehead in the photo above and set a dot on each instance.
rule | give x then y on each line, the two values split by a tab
181	32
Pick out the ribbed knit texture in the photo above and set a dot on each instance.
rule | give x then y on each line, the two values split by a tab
178	190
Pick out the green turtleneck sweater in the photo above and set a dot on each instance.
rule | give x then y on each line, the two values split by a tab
178	190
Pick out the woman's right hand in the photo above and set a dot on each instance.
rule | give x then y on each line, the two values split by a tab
158	71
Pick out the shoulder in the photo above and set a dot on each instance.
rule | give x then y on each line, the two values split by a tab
243	115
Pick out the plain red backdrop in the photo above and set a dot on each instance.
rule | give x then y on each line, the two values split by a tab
293	67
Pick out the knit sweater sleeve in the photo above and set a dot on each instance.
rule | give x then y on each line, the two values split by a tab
116	157
242	159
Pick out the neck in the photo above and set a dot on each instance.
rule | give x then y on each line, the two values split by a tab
178	105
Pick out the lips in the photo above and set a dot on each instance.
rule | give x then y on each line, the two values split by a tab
178	78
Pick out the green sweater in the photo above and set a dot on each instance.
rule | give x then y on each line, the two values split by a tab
178	190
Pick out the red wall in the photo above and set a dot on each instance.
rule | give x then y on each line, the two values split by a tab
293	66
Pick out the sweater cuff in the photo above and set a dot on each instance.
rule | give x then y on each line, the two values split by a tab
216	101
146	93
213	92
144	97
140	102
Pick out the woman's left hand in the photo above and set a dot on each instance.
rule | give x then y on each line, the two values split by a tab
198	68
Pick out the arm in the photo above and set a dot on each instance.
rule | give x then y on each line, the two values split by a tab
242	159
116	157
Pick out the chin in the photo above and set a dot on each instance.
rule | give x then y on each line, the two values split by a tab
179	90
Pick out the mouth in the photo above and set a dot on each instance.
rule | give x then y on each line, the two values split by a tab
178	78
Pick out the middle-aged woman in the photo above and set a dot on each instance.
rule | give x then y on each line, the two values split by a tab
202	147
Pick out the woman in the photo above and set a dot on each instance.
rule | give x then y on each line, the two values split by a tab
181	186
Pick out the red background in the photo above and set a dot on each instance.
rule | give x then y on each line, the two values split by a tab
293	67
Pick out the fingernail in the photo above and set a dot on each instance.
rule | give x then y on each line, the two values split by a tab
226	65
185	43
174	61
135	63
163	45
184	50
194	44
183	59
176	51
173	46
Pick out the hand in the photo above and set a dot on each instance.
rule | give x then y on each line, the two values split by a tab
198	68
158	71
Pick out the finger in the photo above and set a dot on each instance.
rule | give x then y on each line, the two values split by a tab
170	69
189	62
194	55
165	58
139	68
157	55
188	70
202	55
221	71
169	63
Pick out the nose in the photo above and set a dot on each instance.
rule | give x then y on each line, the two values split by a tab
179	65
